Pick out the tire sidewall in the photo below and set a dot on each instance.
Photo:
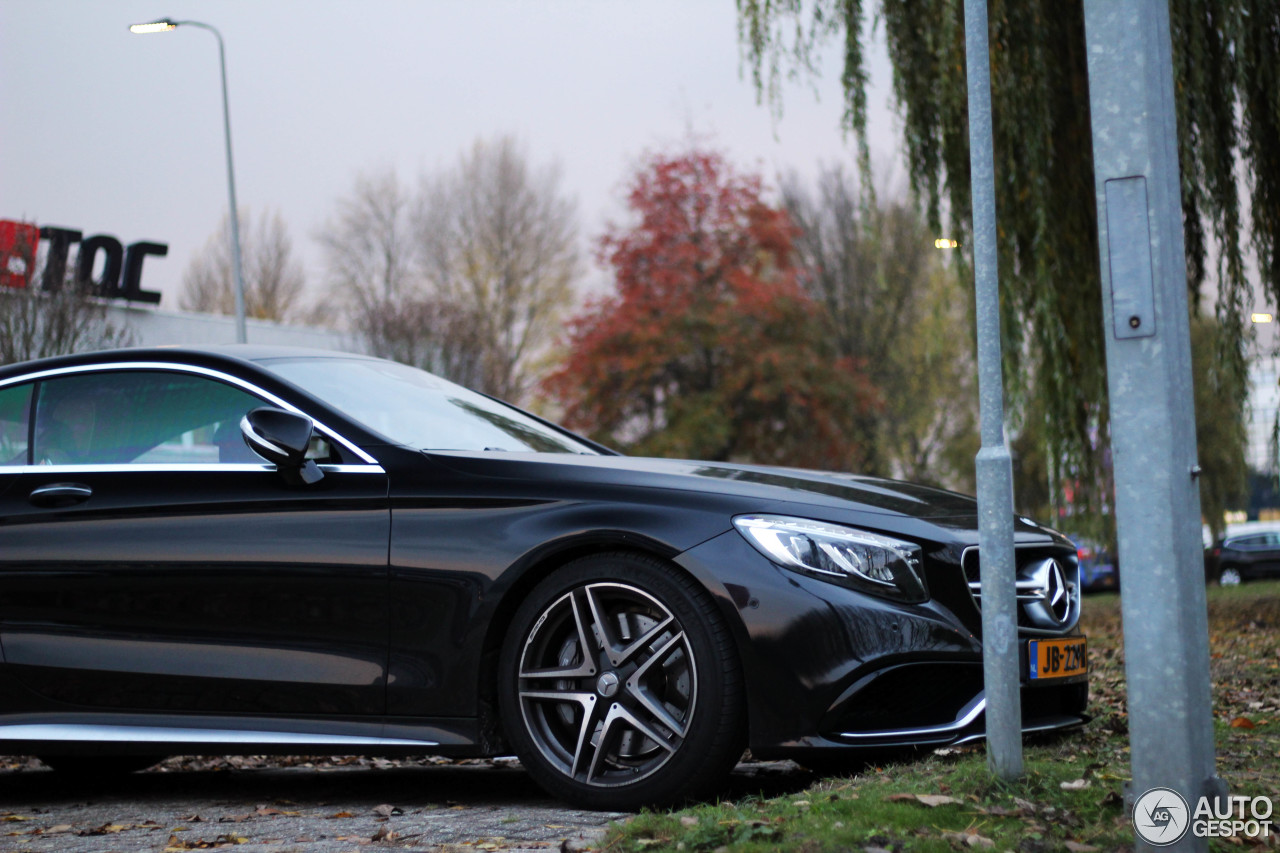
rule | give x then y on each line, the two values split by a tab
1230	576
717	699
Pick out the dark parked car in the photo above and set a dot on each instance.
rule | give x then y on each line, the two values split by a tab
1245	556
264	550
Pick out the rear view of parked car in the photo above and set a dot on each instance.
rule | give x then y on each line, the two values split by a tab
1099	570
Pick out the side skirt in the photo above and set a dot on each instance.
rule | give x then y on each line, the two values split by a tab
126	733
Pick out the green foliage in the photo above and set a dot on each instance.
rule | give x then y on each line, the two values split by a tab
1220	444
1226	53
709	348
1220	437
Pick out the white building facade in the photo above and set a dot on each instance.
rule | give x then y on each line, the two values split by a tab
149	326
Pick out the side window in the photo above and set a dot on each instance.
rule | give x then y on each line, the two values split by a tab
320	449
15	413
124	417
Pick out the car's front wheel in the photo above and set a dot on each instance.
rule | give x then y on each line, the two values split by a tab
619	685
1229	576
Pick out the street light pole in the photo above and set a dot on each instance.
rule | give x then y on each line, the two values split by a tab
1137	186
993	466
164	25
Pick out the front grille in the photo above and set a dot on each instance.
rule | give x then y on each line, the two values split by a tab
1048	587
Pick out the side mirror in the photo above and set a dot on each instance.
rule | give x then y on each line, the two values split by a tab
281	437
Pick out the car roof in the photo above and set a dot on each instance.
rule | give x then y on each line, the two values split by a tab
206	355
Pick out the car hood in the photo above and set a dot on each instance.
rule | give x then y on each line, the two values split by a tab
761	483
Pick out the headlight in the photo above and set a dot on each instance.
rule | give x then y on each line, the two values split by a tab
855	558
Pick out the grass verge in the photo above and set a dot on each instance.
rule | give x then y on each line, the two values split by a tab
1070	797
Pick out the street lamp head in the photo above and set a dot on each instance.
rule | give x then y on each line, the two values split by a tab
161	26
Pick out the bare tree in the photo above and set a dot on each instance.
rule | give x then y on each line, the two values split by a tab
895	307
368	244
36	323
498	240
468	278
426	332
273	280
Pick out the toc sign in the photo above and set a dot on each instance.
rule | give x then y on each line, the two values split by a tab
121	274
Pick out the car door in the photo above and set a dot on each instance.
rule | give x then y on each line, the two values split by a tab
1268	562
1250	553
150	562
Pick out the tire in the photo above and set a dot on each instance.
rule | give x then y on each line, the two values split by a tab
89	767
653	714
1230	576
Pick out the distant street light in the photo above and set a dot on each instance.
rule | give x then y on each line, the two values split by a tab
164	25
1262	318
945	243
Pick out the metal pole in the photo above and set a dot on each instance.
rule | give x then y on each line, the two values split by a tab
1153	438
993	466
237	269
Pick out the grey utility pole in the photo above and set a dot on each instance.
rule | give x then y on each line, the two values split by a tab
994	469
1153	434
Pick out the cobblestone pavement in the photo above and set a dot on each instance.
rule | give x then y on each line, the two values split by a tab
325	806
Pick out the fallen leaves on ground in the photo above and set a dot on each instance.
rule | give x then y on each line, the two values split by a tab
969	839
930	800
177	845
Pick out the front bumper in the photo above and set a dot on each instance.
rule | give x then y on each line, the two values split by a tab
830	668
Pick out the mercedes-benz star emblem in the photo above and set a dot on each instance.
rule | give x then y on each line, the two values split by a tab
607	685
1056	595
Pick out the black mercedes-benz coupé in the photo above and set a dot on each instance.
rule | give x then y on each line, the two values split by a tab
264	550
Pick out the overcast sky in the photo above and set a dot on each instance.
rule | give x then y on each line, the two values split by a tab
113	133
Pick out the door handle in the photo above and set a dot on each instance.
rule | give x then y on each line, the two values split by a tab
60	494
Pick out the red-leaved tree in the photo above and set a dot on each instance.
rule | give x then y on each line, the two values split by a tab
709	348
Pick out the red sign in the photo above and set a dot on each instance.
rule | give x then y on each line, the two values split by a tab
18	242
121	274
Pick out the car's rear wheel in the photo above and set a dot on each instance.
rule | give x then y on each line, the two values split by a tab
620	686
1229	576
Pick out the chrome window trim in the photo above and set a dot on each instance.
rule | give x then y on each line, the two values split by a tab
177	467
161	734
187	368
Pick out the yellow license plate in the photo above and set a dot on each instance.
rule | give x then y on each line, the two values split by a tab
1058	658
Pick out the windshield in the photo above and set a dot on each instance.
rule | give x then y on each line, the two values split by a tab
418	409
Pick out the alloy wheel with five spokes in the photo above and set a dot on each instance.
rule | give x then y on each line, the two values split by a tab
619	684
